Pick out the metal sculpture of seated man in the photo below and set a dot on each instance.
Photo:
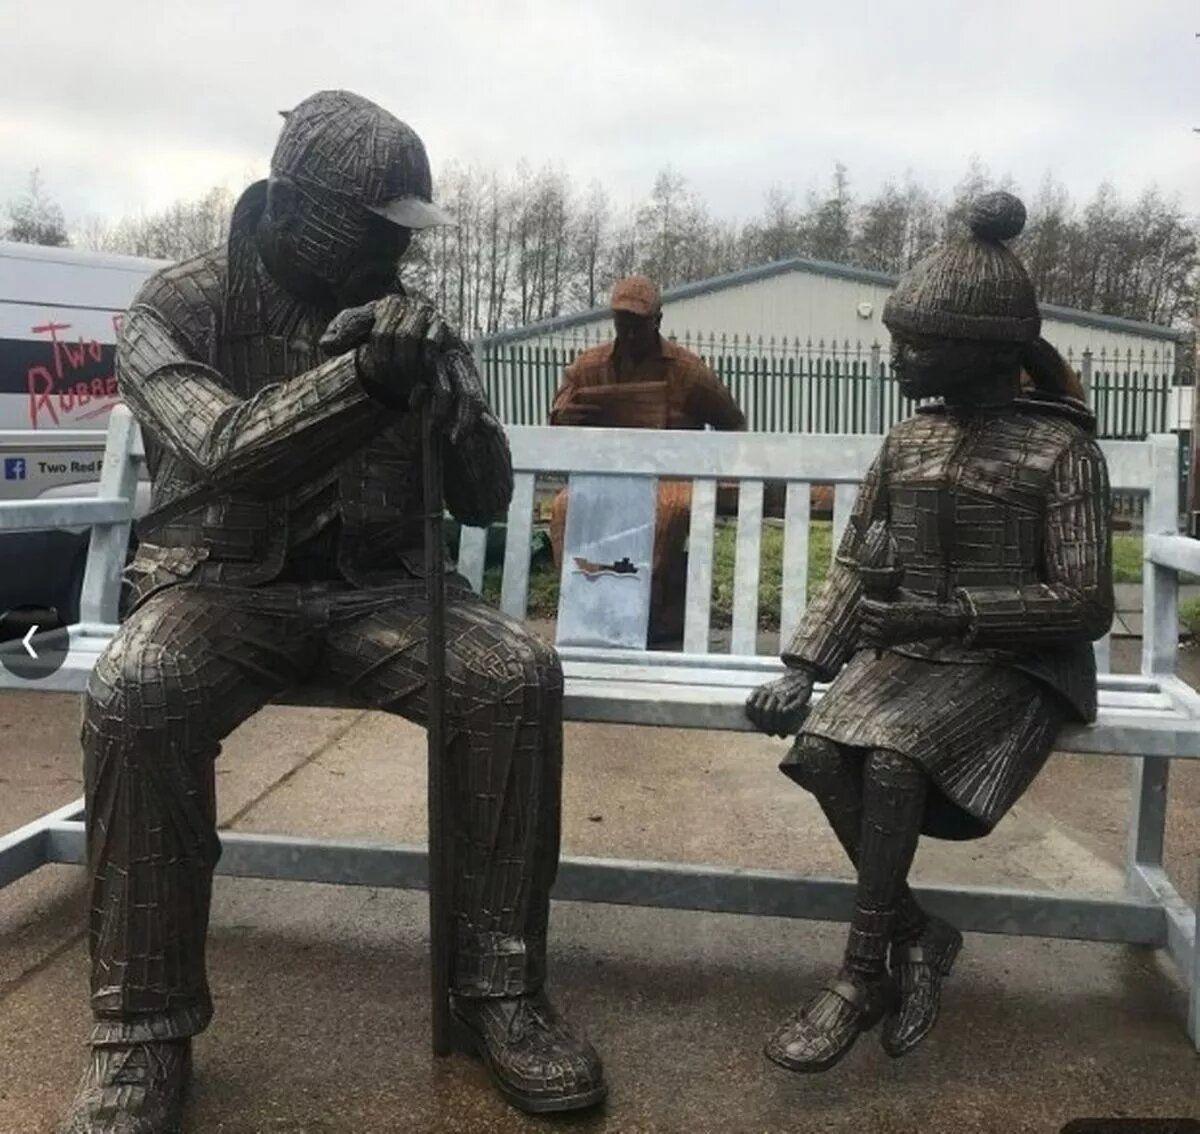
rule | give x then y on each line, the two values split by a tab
285	546
990	509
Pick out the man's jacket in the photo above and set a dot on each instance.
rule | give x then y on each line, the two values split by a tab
259	448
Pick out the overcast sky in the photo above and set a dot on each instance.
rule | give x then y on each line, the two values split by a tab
127	105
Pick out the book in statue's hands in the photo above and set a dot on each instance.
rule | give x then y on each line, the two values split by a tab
627	405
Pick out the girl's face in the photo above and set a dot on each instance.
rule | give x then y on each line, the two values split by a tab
927	366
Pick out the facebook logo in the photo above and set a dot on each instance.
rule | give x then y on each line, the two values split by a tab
14	468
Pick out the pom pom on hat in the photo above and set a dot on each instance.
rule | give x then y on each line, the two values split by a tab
996	216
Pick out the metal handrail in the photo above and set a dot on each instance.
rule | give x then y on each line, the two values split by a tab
24	440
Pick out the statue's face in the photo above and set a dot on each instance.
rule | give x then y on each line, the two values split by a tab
928	366
637	335
352	251
366	269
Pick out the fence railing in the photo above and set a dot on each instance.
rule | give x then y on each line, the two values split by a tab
790	386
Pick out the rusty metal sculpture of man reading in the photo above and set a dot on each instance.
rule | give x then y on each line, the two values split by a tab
285	544
955	627
642	380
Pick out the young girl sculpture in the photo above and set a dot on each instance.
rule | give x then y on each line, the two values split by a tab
990	509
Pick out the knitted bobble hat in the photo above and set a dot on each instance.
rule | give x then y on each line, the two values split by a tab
972	286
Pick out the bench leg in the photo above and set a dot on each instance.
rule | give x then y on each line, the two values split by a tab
1145	878
1147	817
25	850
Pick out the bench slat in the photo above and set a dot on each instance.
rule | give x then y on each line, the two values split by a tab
717	675
744	639
472	547
514	590
699	566
62	512
843	504
764	664
1117	731
797	513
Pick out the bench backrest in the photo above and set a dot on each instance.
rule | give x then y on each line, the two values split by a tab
704	458
751	459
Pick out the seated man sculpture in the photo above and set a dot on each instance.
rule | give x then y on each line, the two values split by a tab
285	546
956	624
642	381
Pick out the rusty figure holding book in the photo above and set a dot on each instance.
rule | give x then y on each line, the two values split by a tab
641	380
956	625
274	382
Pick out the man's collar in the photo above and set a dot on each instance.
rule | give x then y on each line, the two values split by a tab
255	301
243	313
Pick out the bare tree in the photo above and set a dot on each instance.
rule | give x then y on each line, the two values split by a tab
778	233
177	232
672	229
527	246
830	220
590	235
34	217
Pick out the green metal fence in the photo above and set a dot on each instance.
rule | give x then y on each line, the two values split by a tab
789	386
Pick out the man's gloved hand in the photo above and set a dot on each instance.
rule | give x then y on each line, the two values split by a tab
907	618
388	338
405	351
778	708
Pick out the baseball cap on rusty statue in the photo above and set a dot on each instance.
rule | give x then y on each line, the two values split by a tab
346	145
636	294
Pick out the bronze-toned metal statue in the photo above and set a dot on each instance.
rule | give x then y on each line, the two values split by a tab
284	546
955	626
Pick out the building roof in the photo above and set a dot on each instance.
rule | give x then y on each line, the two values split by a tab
836	271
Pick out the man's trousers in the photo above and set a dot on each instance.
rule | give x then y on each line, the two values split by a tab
194	661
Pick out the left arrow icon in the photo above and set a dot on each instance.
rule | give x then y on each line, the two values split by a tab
34	643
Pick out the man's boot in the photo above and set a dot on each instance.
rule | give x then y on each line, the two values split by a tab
133	1088
536	1061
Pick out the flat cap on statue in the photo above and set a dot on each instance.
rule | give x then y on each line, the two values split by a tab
345	144
972	286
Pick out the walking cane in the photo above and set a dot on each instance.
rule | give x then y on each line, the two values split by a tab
440	912
347	330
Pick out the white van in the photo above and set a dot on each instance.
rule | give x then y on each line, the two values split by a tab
60	309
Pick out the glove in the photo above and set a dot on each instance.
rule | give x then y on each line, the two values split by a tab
405	352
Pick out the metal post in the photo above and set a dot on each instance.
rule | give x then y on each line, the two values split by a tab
1085	376
99	596
1193	489
1160	643
875	391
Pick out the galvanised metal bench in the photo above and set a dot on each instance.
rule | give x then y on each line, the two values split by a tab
1152	717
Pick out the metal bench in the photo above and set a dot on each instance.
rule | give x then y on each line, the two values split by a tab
1152	717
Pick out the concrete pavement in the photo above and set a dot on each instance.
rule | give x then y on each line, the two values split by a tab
322	1016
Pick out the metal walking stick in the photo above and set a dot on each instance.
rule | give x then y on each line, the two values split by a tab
440	880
